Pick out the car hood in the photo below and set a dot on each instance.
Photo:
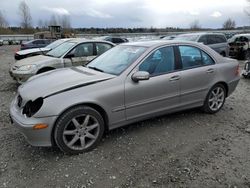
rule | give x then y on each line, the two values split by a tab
35	60
60	80
32	50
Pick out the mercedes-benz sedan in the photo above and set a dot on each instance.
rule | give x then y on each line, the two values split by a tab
72	107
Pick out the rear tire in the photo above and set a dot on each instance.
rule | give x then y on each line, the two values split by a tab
79	130
215	99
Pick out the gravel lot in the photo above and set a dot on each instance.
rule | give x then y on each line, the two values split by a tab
187	149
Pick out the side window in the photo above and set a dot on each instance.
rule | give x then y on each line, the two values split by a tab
160	61
203	39
207	60
82	50
190	56
210	40
221	39
38	42
117	40
102	47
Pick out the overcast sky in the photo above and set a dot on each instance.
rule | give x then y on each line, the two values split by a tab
132	13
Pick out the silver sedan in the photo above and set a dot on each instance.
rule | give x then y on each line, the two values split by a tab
72	107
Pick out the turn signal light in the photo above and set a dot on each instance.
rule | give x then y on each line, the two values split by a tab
237	72
40	126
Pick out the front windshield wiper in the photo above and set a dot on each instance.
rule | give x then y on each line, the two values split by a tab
95	68
48	55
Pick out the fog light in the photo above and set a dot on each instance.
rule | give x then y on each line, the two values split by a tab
40	126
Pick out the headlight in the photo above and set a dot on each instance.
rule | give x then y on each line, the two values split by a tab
32	107
26	67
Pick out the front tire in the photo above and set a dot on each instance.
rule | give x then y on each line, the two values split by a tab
79	130
215	99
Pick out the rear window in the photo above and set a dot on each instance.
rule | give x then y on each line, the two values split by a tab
38	42
215	39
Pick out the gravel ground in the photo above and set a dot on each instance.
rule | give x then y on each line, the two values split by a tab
186	149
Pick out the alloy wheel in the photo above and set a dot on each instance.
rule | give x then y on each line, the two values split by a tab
81	132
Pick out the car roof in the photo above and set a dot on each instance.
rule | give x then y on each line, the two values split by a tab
201	33
242	34
155	43
81	40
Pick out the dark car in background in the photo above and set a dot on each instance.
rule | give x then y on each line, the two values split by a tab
115	40
216	41
169	37
39	51
37	43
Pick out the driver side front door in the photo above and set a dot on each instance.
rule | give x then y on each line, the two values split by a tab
160	93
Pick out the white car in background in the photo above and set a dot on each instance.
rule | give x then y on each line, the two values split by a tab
75	52
38	51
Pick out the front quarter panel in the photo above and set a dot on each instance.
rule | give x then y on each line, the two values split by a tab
109	95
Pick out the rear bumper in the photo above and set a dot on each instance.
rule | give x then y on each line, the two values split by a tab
232	86
25	125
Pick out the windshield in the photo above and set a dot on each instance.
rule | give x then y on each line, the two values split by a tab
61	49
116	60
55	44
187	37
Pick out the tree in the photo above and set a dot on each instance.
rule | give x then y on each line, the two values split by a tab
3	21
229	24
40	24
24	12
53	20
65	21
195	25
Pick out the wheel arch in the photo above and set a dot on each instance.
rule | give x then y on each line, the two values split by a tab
97	107
45	69
224	84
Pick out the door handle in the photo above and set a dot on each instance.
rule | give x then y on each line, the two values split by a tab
210	70
174	78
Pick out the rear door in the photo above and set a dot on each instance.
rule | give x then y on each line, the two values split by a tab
159	93
197	75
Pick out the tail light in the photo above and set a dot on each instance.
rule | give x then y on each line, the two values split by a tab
237	71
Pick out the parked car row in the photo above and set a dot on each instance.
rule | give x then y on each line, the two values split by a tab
71	106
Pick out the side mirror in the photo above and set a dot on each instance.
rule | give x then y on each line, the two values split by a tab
140	75
69	56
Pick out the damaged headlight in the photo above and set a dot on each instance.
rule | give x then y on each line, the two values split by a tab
32	107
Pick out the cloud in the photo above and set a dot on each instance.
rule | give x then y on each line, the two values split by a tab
97	14
216	14
59	10
194	12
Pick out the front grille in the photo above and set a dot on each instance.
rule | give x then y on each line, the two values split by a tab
19	101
